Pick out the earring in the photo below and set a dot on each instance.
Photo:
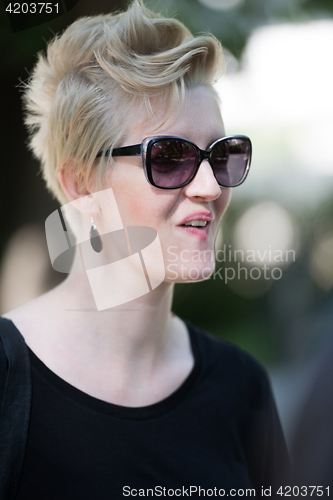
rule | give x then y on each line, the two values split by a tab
95	239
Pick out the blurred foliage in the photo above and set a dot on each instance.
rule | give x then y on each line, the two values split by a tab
233	26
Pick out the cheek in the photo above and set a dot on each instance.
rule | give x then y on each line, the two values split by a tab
222	202
130	194
140	205
134	209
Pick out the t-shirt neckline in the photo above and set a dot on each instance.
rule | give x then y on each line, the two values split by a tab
126	412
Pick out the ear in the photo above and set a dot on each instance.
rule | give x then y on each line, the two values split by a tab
75	186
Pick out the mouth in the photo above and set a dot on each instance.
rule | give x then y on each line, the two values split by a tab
198	228
197	224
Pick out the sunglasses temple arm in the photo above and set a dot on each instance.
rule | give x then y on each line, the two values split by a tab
125	151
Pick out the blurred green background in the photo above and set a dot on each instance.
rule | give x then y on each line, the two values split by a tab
276	88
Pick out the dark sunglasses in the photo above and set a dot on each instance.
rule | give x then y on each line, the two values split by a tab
173	162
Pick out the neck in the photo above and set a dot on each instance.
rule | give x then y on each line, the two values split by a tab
133	355
142	327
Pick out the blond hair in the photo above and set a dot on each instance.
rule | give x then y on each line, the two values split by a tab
80	95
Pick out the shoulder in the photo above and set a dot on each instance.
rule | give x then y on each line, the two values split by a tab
229	363
14	356
20	318
33	318
11	339
218	349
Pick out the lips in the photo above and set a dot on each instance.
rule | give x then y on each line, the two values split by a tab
198	216
198	231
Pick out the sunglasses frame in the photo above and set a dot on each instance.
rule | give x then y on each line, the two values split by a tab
145	147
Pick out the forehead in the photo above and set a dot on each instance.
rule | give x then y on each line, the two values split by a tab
199	119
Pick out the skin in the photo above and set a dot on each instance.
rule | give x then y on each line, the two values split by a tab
138	353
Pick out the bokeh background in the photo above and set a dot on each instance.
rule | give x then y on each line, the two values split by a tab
277	89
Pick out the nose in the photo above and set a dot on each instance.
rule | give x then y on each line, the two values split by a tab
204	185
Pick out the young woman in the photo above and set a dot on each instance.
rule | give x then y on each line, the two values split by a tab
125	398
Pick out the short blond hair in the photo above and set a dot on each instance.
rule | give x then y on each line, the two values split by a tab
80	95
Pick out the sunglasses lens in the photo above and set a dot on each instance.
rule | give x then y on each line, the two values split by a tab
230	158
172	162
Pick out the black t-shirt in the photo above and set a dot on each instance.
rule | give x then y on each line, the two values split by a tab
219	430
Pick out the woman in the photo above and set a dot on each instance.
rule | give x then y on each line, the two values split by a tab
127	397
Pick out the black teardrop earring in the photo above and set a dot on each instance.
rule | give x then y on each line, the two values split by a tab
95	239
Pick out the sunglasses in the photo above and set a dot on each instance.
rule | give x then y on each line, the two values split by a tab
173	162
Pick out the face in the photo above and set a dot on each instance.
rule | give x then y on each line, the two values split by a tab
188	250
